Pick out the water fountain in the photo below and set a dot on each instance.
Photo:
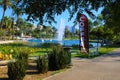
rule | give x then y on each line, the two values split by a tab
60	32
60	36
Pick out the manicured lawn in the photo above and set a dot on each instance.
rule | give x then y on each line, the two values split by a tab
40	51
36	51
102	50
14	48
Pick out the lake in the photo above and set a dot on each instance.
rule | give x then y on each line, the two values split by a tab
64	42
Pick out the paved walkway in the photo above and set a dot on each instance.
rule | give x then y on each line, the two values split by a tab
4	42
106	67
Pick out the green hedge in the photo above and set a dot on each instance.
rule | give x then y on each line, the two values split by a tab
42	64
17	69
58	58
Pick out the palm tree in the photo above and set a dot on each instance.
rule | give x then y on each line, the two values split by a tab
16	10
7	22
6	25
4	4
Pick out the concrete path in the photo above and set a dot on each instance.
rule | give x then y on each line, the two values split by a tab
8	41
106	67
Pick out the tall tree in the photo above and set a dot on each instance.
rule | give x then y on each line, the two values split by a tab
4	4
6	25
111	15
17	10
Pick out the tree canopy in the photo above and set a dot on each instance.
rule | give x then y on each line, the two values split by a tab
45	10
111	15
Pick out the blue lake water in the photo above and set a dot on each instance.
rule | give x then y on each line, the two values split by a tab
64	42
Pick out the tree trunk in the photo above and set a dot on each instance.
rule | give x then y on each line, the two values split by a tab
2	18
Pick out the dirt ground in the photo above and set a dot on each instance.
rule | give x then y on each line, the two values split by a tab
31	73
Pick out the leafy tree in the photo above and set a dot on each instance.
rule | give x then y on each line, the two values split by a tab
111	15
67	33
4	4
6	26
6	23
17	10
45	10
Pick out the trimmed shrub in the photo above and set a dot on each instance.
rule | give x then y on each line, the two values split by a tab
16	70
23	56
42	64
58	58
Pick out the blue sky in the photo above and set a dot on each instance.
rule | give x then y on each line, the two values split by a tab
64	15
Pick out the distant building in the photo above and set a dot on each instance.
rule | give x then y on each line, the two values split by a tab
34	27
70	28
40	27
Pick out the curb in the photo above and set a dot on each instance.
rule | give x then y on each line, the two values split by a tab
58	73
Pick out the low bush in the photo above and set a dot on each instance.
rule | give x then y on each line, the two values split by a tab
23	56
42	64
16	70
58	58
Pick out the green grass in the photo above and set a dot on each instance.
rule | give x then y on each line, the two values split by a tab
36	51
102	50
40	51
80	55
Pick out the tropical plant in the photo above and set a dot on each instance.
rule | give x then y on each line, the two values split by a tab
16	10
4	4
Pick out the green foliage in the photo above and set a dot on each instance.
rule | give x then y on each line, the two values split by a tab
80	55
48	45
111	15
4	4
42	11
16	70
42	64
75	46
23	56
44	32
104	50
58	58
